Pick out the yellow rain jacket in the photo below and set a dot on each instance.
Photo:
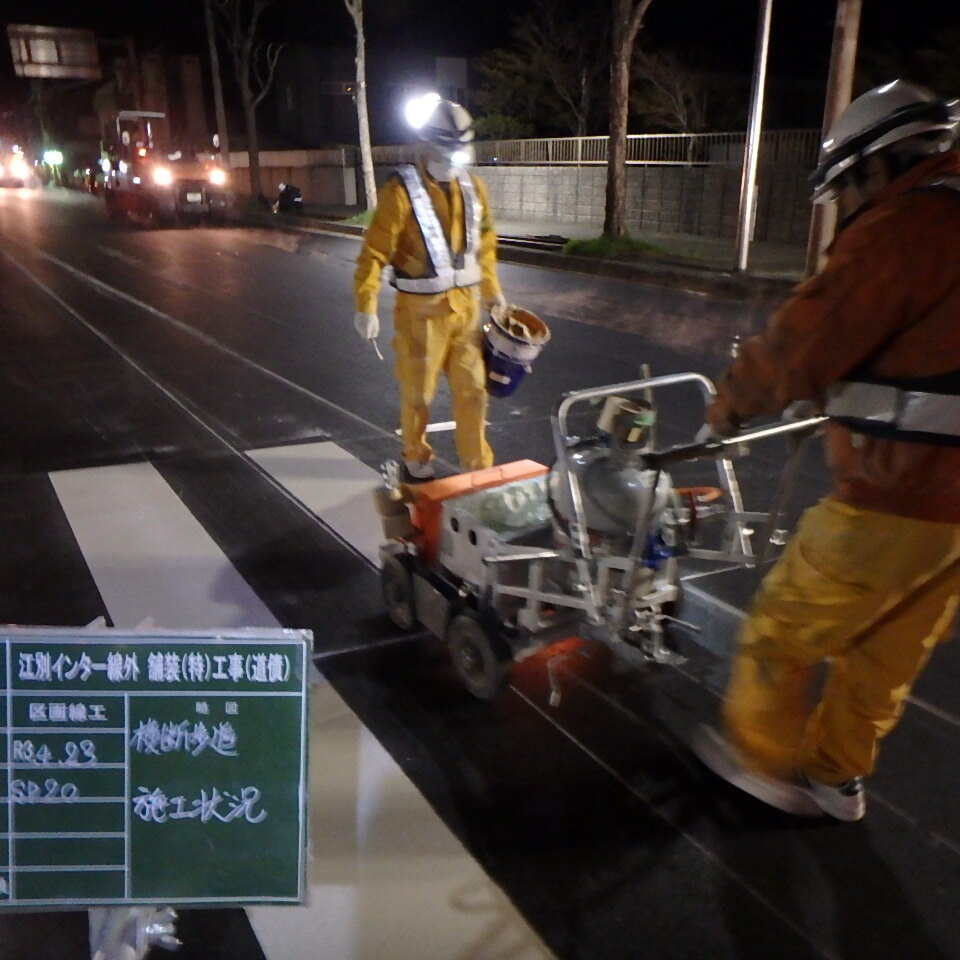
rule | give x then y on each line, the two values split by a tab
393	238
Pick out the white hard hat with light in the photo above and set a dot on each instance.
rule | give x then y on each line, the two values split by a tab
443	124
878	119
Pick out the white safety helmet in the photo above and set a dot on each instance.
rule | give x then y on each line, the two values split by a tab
875	121
444	126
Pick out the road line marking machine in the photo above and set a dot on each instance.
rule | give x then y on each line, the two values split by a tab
501	563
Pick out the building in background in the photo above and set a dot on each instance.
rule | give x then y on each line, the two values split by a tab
313	96
401	75
313	93
172	85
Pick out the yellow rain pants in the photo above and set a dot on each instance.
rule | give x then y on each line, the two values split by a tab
433	334
870	592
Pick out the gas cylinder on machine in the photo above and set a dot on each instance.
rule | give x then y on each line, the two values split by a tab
617	492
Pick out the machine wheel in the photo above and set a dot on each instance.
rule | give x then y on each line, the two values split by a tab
396	585
481	659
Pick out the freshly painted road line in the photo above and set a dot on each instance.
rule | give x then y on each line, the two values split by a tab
386	879
149	556
332	484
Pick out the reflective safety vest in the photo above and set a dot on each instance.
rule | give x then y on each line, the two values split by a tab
448	270
917	409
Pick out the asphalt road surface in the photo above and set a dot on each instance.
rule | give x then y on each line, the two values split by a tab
189	429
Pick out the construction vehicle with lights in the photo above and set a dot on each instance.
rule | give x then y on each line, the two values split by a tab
14	169
503	562
148	182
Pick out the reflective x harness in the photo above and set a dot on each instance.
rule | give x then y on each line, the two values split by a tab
449	271
916	409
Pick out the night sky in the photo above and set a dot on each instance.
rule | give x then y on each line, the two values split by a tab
721	35
724	30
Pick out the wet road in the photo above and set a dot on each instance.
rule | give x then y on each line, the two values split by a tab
188	349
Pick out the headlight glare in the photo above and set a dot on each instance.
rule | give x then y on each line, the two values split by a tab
162	176
218	177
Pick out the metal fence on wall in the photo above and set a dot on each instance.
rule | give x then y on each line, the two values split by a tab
777	147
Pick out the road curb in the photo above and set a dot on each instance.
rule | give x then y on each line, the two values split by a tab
705	281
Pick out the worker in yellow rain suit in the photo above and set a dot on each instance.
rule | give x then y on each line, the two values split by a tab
433	226
870	583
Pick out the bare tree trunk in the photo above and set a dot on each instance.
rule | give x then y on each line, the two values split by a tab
584	103
355	9
254	64
221	114
615	215
39	98
253	146
627	20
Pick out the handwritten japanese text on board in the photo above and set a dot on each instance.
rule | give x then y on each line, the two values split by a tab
152	767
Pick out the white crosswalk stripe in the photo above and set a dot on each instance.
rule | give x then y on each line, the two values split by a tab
149	556
334	485
387	879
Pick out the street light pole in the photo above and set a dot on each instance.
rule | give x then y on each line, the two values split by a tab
217	86
843	59
748	182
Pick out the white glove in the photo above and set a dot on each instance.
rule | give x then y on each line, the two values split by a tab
802	410
495	305
367	324
706	435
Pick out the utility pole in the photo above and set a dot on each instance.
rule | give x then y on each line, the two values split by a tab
222	136
748	182
843	59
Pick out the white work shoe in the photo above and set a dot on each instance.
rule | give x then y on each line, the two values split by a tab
717	753
844	802
417	472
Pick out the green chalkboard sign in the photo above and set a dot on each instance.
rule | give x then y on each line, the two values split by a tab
152	767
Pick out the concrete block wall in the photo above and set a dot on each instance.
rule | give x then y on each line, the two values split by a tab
668	199
783	205
323	185
325	177
699	200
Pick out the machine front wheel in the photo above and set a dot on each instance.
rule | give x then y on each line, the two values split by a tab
481	659
396	585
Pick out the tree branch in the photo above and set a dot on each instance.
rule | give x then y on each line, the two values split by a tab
265	67
635	20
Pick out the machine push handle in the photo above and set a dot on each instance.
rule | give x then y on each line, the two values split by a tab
717	448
